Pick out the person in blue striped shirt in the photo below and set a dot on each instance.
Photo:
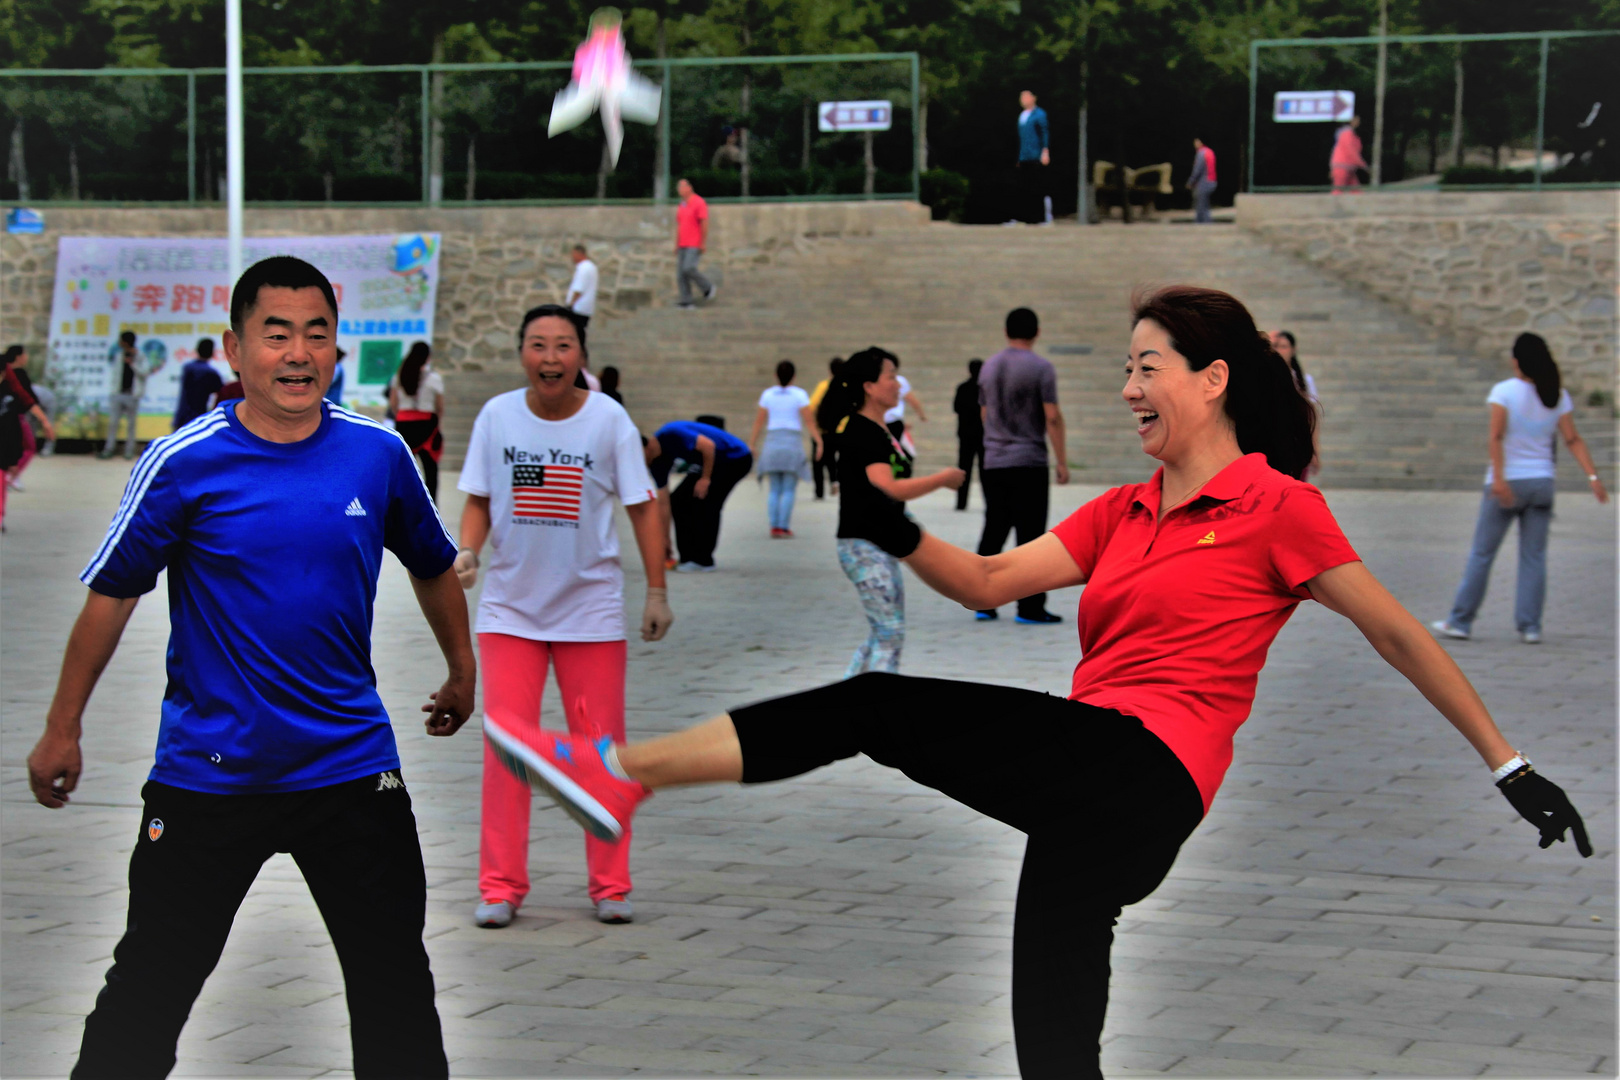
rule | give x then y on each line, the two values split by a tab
270	515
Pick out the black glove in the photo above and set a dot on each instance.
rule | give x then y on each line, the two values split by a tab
1543	804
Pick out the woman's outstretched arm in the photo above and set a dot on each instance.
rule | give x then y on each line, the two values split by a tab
1352	591
980	582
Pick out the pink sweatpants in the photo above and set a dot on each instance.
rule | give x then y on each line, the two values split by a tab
590	676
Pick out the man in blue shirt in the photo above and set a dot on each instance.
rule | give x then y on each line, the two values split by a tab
270	515
198	382
695	506
1034	155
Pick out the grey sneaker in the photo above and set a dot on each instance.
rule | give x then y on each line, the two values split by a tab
714	291
694	568
494	914
1530	637
614	910
1444	628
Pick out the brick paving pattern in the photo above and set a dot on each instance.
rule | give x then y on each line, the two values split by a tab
1360	900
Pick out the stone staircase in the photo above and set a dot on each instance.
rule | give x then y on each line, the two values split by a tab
1401	410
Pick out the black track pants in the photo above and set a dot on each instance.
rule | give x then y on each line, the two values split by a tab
1105	803
1015	501
357	848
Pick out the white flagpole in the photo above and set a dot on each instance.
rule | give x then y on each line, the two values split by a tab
233	132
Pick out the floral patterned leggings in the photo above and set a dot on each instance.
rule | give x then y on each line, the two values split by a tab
877	579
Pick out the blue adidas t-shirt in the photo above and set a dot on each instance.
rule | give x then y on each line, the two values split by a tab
273	551
678	439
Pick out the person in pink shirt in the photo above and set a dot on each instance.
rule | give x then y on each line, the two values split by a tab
691	237
1346	158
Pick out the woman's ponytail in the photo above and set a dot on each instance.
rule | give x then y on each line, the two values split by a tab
1268	412
1538	365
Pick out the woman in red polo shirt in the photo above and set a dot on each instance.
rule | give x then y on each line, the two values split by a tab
1189	578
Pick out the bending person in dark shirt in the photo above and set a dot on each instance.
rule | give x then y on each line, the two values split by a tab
695	506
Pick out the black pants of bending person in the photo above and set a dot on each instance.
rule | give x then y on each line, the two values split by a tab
824	469
196	856
969	448
1015	500
697	521
1101	835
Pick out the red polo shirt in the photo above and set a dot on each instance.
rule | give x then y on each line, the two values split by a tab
689	218
1177	616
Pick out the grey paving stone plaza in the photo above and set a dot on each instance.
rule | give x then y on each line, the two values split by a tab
1360	900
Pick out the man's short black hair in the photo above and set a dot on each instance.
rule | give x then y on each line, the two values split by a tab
581	249
127	338
205	349
1022	325
975	366
276	272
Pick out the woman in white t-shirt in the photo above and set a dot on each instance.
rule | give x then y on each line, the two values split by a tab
784	415
1526	412
544	466
416	398
895	418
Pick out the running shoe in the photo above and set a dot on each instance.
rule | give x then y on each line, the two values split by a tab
1040	618
1530	637
714	291
614	910
787	534
776	534
573	771
1444	628
15	484
695	568
494	914
987	616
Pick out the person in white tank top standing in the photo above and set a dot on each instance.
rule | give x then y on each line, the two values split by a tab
1526	411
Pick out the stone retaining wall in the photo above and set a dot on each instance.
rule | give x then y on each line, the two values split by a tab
1482	267
496	261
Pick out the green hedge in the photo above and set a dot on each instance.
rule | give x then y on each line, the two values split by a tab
946	192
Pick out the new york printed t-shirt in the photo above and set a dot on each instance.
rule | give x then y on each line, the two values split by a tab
272	552
782	405
1176	618
554	572
1527	445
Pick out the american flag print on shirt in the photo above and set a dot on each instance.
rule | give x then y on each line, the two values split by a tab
547	491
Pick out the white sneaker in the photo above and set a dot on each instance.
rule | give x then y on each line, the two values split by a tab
1444	628
714	291
494	914
1530	637
614	910
15	484
694	568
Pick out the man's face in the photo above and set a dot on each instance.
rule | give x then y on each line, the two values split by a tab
577	257
1026	100
286	352
1198	144
684	189
128	348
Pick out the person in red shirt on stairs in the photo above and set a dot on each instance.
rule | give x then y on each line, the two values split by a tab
1189	577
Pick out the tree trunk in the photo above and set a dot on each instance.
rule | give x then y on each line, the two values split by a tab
922	129
1083	213
326	184
1434	144
871	167
602	169
1124	188
1378	94
1457	112
436	124
208	170
660	166
472	168
73	173
804	152
17	167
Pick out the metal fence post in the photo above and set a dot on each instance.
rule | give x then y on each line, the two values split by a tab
1541	109
917	133
427	135
663	127
191	136
1254	78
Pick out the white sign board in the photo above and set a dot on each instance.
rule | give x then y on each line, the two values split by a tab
856	115
173	292
1313	106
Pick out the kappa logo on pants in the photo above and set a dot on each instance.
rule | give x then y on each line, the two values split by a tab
154	828
388	781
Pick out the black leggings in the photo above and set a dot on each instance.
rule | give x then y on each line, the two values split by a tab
1104	825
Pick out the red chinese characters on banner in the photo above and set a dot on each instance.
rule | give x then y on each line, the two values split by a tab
149	297
188	298
222	297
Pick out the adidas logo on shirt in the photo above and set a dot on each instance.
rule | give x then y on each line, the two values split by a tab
355	509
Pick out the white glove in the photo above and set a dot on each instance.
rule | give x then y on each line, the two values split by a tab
466	567
656	616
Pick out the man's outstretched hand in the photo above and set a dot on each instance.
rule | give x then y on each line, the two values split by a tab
450	706
1543	804
53	769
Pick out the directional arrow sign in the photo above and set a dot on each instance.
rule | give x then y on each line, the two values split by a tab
856	115
1313	106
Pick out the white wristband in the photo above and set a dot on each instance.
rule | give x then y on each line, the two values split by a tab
1510	766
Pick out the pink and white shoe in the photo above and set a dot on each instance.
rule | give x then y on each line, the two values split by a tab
574	772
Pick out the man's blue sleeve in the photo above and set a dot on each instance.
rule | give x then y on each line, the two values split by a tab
143	533
414	531
1042	128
